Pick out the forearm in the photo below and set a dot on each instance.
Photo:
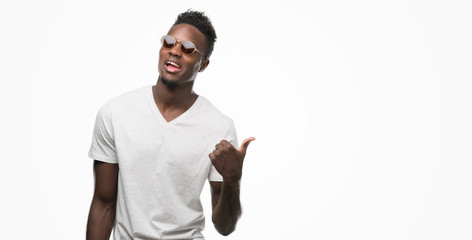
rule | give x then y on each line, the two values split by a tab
101	220
228	210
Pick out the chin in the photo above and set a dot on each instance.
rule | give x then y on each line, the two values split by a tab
169	83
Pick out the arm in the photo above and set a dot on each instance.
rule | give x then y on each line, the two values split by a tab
226	206
228	161
102	211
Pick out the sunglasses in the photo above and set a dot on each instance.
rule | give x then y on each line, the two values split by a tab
186	47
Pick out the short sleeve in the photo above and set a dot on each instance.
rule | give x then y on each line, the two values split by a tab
231	137
103	143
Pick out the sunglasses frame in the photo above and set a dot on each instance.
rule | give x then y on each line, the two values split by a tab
181	45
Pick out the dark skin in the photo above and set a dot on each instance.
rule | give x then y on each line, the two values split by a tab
173	95
103	207
228	161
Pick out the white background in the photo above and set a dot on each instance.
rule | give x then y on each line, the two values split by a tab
361	110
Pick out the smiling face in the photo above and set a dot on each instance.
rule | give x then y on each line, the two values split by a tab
177	68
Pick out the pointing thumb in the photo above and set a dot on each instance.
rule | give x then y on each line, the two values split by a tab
245	144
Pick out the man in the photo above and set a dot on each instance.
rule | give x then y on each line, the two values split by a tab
154	148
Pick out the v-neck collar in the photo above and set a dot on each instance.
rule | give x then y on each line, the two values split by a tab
159	115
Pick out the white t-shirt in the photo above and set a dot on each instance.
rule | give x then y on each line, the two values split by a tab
162	165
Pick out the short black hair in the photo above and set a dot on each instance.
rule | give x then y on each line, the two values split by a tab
202	23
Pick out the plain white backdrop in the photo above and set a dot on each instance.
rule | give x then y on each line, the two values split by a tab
361	110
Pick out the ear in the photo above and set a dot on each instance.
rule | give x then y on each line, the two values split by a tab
204	64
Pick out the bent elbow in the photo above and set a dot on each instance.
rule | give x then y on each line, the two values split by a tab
225	229
225	232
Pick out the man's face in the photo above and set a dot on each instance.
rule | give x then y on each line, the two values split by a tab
188	65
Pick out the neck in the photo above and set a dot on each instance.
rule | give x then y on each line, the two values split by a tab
174	97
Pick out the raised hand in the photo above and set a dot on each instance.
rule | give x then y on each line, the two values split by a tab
228	161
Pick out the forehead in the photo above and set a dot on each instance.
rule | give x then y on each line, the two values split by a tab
187	32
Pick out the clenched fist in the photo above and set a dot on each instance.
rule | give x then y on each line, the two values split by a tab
228	161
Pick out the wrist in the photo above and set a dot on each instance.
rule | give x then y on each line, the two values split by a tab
231	182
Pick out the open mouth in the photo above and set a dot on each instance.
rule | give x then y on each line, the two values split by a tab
172	66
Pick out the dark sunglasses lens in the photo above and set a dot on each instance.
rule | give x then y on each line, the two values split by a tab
188	47
168	41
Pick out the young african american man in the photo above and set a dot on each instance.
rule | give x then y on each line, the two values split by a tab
154	148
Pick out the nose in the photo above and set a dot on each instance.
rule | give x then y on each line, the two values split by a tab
175	50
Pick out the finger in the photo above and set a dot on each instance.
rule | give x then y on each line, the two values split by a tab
218	147
227	145
212	157
245	144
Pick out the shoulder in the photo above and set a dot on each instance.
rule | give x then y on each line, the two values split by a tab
214	115
126	99
220	123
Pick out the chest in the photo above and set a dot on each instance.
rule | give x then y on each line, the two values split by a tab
148	148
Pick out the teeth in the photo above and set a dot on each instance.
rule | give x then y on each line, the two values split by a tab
173	64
